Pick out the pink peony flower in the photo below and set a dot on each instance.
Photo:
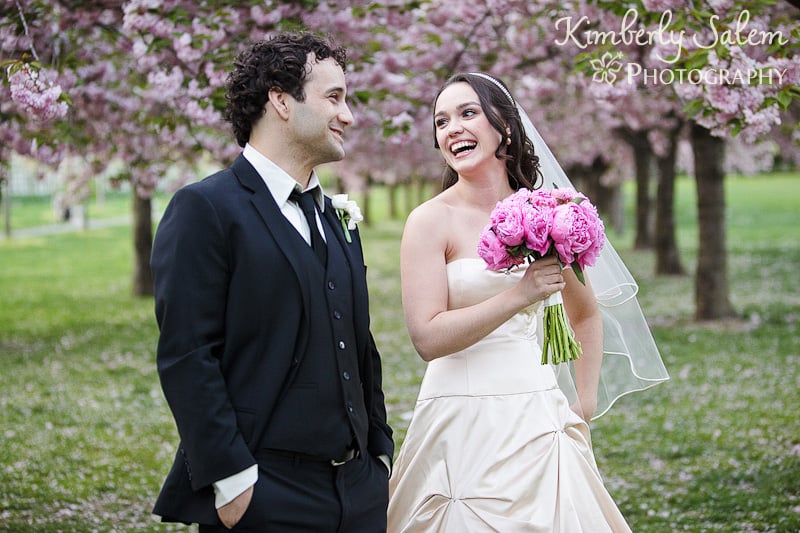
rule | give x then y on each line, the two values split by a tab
578	233
529	225
507	222
520	197
543	198
538	222
495	253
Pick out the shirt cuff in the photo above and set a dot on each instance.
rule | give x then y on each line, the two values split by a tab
386	461
226	490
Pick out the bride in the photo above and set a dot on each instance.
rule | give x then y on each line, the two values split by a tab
498	441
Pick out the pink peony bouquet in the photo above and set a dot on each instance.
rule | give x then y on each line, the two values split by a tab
530	225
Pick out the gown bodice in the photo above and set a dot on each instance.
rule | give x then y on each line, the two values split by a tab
507	360
469	283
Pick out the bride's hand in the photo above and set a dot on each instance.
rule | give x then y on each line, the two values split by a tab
584	408
542	279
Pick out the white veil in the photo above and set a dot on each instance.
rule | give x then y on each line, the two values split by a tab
631	361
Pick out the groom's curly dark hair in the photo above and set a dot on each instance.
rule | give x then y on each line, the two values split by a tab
278	62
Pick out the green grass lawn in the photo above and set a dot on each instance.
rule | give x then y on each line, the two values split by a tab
32	211
87	437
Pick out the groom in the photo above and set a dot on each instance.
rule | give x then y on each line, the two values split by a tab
265	354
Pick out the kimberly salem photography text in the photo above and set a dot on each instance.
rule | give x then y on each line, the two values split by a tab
669	46
672	43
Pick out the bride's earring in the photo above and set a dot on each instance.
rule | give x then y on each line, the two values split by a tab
508	136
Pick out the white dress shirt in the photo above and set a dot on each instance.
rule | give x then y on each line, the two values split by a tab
281	185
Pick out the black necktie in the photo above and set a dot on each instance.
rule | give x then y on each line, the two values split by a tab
306	202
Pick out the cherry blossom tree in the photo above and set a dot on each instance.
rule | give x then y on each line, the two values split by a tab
732	70
117	108
748	108
144	79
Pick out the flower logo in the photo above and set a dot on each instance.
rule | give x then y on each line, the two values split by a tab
606	68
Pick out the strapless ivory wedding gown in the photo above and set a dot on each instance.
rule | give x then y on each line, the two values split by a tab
493	444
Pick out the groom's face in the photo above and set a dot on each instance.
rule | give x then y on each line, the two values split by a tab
319	122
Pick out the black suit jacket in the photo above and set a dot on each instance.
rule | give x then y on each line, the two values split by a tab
231	299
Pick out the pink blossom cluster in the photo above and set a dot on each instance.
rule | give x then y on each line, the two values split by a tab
39	99
662	5
529	225
746	103
148	66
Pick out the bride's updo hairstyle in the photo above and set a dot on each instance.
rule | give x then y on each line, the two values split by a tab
522	164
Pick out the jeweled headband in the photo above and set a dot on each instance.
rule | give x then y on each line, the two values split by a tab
496	82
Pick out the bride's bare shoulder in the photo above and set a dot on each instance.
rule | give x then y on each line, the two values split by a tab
437	207
430	220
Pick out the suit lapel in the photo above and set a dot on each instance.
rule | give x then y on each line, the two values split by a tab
276	224
289	244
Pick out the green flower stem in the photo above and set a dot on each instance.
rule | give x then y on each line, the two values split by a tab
344	228
559	344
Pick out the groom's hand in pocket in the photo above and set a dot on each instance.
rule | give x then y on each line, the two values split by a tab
230	513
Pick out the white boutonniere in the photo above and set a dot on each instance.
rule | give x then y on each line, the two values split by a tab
348	212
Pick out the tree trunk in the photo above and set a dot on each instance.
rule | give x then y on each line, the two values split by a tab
84	212
711	282
608	201
643	159
422	190
392	189
5	200
611	199
365	210
142	245
409	189
587	179
644	212
667	258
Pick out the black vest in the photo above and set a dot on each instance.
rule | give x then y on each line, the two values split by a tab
323	410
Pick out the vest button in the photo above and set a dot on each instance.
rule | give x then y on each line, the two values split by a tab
346	375
337	315
341	345
331	285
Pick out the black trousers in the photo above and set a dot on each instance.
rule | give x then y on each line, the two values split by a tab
294	495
